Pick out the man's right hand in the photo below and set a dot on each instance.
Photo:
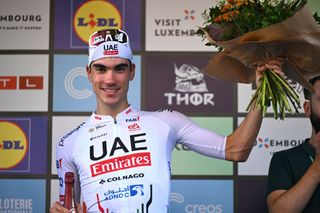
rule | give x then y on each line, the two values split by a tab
58	208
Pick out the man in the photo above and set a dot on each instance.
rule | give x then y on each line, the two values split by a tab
122	156
294	174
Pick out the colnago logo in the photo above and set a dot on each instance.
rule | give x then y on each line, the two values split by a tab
21	82
191	88
126	177
176	27
195	208
140	159
272	143
92	16
13	144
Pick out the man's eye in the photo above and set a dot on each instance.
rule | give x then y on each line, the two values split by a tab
120	69
99	69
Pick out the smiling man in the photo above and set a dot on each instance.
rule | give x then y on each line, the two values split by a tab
121	156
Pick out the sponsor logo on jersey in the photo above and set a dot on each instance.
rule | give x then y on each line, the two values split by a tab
133	119
121	163
13	144
98	136
137	142
92	16
125	177
59	163
125	192
134	127
61	142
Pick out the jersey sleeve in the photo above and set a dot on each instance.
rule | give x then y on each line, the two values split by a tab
196	138
279	177
64	163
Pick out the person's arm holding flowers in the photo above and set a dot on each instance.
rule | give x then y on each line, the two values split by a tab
240	142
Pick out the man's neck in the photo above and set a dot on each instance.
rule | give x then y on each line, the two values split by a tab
112	111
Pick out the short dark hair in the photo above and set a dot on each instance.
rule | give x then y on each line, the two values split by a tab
307	93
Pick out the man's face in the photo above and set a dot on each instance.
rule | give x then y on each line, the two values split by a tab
315	107
110	81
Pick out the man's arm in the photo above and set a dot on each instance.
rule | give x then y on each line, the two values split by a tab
297	197
240	142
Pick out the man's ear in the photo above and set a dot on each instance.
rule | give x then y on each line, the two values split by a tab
307	108
132	71
88	72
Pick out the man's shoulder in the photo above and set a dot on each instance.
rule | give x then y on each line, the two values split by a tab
293	152
72	133
165	114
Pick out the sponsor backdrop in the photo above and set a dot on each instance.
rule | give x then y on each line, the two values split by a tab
45	93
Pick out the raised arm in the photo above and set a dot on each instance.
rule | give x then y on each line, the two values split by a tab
240	142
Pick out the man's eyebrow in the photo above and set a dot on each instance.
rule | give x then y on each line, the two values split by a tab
98	65
121	65
115	67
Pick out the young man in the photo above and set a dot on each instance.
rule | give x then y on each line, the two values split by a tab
294	174
122	156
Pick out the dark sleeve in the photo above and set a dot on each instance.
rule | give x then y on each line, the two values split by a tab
279	176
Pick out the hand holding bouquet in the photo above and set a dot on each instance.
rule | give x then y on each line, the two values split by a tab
249	33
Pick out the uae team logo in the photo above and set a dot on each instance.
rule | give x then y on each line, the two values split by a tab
13	145
93	15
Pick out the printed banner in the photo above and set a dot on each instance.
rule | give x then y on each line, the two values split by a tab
24	85
23	145
174	29
187	162
24	25
78	19
201	196
274	135
20	195
182	86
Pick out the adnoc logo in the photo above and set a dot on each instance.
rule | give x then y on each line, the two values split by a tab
13	144
96	15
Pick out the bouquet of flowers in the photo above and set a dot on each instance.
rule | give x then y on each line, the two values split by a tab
250	32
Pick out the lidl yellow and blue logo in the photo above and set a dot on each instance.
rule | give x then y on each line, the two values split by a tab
13	144
95	15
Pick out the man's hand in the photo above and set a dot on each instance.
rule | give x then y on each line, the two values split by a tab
274	65
58	208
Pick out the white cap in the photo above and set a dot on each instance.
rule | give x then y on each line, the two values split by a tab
109	43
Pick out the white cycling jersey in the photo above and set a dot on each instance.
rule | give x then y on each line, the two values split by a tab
123	165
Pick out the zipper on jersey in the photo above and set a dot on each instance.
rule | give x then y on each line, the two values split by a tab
115	121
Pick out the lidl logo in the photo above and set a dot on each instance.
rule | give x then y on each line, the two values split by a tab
13	144
96	15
